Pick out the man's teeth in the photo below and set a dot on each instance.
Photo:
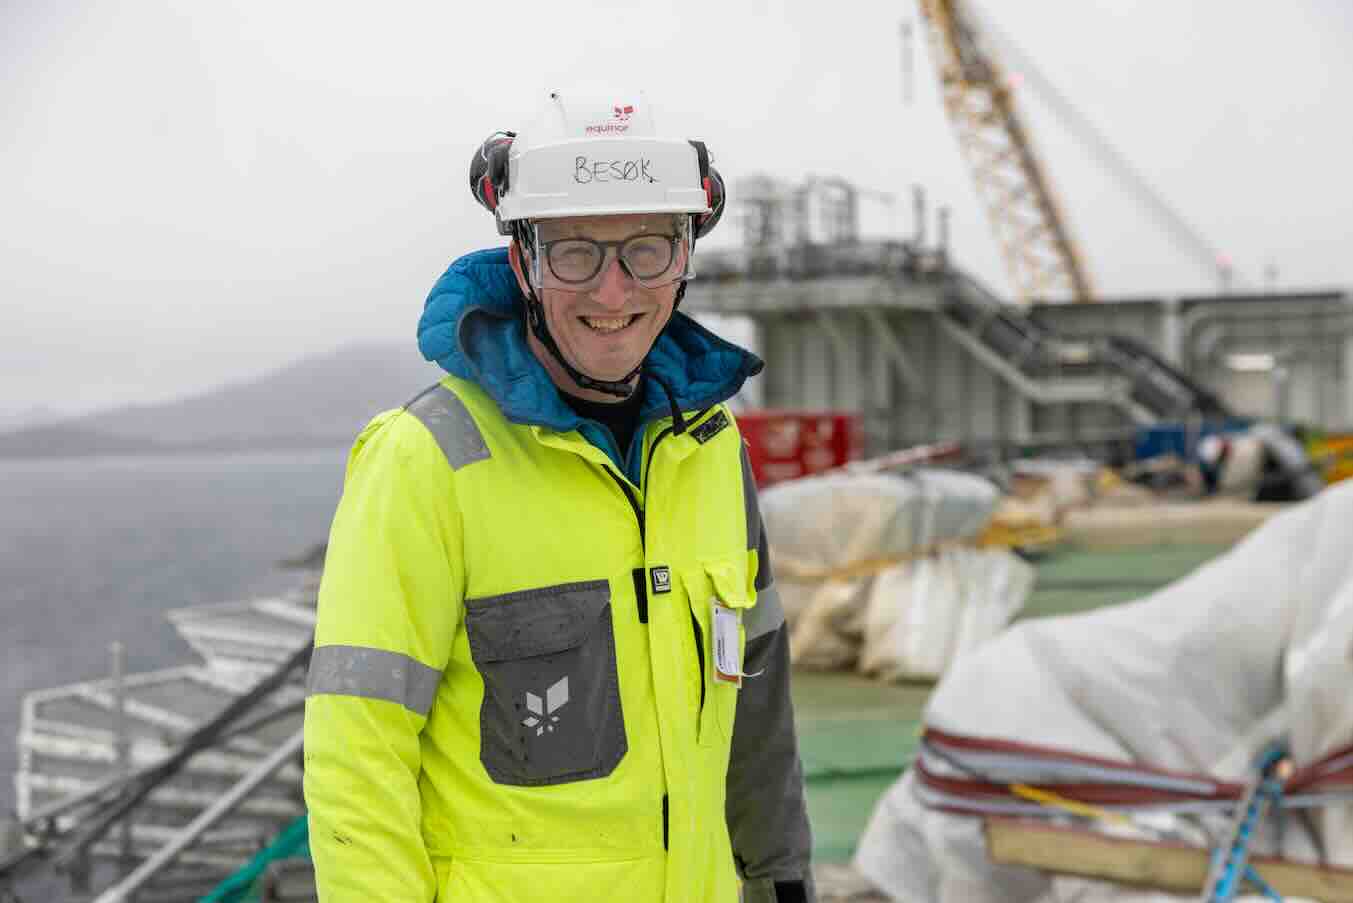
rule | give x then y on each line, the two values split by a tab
607	324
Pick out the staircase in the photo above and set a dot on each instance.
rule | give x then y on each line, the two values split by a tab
79	745
1046	368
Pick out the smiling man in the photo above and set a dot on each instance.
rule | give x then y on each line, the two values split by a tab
550	661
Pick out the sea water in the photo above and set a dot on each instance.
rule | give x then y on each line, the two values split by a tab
94	550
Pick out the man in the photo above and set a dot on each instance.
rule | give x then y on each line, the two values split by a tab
549	662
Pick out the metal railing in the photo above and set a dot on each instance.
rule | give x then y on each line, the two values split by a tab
39	843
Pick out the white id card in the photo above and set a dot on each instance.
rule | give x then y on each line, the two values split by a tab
727	644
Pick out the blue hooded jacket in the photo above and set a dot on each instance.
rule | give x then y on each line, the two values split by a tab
472	326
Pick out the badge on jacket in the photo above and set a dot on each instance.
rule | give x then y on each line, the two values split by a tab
727	643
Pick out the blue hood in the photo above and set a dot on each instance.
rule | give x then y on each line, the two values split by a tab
472	326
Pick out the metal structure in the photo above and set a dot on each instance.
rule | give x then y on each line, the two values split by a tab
817	211
1040	254
166	782
124	891
924	353
800	230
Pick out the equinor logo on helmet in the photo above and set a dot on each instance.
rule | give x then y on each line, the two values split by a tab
620	122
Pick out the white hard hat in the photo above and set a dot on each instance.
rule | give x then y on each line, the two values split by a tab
598	158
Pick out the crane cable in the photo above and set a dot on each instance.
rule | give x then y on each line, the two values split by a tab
1203	251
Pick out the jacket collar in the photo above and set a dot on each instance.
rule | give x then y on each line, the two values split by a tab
472	327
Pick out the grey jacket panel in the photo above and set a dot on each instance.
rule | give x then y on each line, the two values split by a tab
451	424
765	572
769	613
751	506
767	814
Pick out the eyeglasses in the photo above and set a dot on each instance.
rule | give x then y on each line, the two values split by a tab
652	260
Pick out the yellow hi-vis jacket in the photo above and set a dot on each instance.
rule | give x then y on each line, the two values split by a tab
513	694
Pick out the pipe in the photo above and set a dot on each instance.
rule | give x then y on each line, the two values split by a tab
122	746
918	202
117	780
1217	342
122	891
1194	319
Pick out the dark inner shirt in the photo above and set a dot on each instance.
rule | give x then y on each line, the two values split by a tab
620	417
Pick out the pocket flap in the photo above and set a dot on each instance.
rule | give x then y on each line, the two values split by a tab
725	579
534	621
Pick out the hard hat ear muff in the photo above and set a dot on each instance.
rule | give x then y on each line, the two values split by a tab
488	172
714	190
715	195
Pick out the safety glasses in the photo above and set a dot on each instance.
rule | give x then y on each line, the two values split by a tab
577	263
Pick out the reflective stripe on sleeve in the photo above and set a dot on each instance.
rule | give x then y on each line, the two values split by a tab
766	616
451	425
373	674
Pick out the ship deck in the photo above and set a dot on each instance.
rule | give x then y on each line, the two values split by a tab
857	735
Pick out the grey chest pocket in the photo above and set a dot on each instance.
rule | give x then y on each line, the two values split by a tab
551	711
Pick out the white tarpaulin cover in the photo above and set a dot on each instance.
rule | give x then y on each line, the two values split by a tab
877	570
1195	677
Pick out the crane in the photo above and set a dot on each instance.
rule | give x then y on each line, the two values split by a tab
1041	256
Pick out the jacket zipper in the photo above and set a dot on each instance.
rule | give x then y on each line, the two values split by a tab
695	623
629	496
643	540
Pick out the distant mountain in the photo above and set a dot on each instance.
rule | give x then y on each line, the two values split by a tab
317	401
21	419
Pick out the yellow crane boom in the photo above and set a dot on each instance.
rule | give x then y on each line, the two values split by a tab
1039	253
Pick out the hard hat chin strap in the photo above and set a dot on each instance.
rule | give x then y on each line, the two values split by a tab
535	321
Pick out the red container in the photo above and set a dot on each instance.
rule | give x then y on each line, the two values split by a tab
785	445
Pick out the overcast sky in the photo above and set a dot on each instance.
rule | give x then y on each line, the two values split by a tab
190	193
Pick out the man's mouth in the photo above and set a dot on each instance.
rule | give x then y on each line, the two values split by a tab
609	325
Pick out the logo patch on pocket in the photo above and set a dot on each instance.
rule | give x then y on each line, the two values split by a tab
662	580
543	717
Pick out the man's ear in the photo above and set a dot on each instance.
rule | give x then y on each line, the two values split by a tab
514	256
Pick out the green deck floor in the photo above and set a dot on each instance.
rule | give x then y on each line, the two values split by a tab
857	735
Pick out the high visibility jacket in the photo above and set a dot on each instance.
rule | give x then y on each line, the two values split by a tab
514	693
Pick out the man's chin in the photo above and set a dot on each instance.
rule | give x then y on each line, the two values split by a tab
612	369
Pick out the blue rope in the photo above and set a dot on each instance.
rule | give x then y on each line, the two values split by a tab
1263	886
1235	870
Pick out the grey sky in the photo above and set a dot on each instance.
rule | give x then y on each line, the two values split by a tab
189	193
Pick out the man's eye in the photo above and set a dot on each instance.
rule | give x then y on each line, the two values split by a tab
575	255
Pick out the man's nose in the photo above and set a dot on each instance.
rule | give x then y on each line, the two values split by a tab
616	285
